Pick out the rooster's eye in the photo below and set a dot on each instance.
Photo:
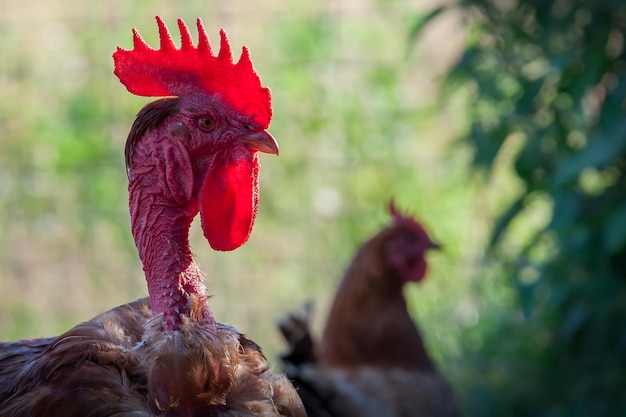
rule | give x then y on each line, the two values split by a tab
205	124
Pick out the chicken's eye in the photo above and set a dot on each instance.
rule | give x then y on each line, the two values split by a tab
205	124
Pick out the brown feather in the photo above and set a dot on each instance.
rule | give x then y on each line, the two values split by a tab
104	367
149	117
14	358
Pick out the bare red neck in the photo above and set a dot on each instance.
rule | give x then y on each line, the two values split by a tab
160	228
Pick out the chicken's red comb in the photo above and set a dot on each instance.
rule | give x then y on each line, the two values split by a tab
399	217
396	213
169	71
406	220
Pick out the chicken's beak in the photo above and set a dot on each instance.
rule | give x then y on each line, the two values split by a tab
434	245
262	142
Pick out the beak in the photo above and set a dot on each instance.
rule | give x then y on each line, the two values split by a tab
261	142
435	246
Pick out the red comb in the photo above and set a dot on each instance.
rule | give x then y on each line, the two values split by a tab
395	211
398	216
169	71
406	220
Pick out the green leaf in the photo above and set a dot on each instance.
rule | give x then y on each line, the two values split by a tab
602	149
527	298
487	143
422	21
615	231
575	319
505	219
567	208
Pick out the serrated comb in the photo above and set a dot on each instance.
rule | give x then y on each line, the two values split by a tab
171	71
405	220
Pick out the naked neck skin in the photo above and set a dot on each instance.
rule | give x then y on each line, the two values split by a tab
160	227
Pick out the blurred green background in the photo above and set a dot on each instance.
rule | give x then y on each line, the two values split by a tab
500	125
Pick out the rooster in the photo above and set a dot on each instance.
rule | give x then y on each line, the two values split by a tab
194	151
371	360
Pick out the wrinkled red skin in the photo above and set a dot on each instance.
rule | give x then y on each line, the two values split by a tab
176	170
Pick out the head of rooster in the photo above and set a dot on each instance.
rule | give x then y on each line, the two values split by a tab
195	150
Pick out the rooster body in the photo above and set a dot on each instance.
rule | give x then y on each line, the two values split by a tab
103	367
194	152
371	360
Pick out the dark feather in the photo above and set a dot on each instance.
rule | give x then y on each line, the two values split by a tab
148	118
103	367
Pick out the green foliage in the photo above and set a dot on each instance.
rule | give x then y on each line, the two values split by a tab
354	118
551	77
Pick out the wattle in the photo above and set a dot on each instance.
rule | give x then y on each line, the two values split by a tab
228	200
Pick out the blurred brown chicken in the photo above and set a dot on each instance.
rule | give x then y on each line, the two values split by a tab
371	360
